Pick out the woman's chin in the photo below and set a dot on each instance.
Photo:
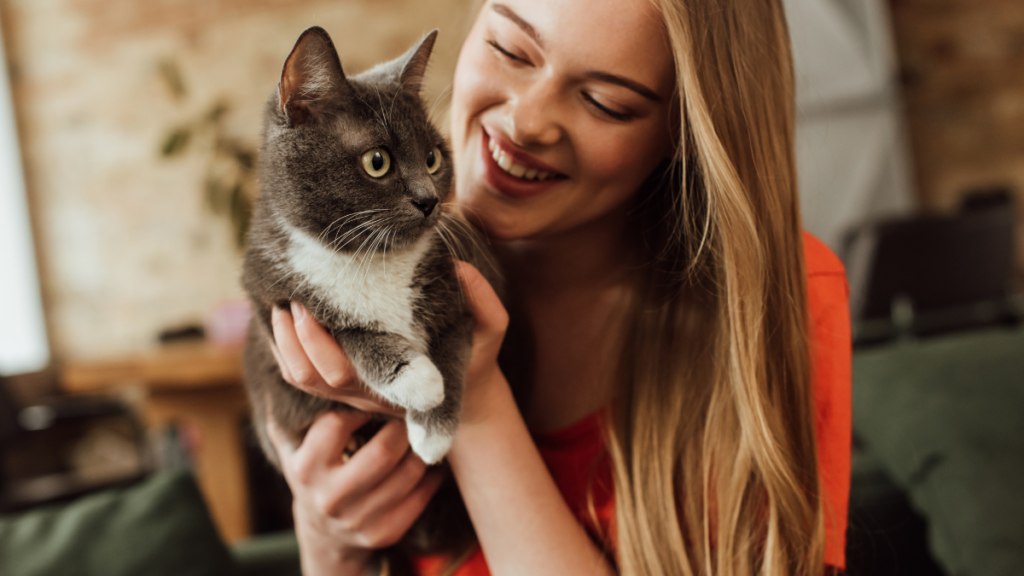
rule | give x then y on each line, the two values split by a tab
499	222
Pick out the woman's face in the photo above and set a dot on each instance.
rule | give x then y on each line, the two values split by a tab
560	110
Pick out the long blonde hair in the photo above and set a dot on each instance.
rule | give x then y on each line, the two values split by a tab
714	413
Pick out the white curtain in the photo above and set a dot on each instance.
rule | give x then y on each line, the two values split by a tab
851	154
23	344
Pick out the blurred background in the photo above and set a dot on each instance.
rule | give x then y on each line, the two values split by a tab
128	136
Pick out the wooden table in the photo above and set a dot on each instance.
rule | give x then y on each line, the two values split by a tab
199	384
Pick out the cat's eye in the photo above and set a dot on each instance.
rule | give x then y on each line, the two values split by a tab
433	160
376	162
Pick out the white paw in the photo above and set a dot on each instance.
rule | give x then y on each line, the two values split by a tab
419	386
430	447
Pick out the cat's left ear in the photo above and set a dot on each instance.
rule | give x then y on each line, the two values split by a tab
414	63
311	76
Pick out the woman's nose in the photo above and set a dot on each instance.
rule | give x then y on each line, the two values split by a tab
534	118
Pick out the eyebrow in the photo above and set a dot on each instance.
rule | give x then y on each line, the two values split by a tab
625	83
530	31
518	21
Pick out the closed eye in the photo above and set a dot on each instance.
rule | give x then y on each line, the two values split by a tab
621	117
508	54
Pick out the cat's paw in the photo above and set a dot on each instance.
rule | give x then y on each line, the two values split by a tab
431	447
418	386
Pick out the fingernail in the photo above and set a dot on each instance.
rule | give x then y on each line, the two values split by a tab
298	312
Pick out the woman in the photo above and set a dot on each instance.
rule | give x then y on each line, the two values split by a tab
689	408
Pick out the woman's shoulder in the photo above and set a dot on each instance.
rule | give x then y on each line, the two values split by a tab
827	290
819	258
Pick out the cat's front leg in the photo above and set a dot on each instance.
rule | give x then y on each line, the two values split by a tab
392	368
431	432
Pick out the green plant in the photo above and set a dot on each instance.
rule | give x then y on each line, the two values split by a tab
229	181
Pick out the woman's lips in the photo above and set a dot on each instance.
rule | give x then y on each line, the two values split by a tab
509	185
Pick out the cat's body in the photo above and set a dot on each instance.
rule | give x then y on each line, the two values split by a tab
349	224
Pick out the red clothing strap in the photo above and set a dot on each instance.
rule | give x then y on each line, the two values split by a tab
576	458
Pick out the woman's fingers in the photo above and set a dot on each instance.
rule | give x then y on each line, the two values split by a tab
392	524
392	489
490	314
281	364
372	463
292	357
323	445
323	351
311	360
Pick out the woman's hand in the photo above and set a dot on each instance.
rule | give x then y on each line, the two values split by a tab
312	361
343	511
483	377
346	510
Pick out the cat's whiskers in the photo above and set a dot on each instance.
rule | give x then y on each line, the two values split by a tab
443	232
371	253
354	233
356	257
444	94
384	250
342	220
340	223
341	273
474	237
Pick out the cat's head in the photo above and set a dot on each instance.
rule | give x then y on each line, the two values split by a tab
355	161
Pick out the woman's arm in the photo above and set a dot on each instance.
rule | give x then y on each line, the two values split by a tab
522	521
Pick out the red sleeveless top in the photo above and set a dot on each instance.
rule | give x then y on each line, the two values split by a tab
573	454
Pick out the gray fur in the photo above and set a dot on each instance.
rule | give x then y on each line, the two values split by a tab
317	200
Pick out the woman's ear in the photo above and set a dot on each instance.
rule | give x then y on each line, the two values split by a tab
311	76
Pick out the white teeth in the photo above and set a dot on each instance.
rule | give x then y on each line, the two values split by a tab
505	162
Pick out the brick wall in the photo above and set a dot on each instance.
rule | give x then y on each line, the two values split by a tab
127	245
962	72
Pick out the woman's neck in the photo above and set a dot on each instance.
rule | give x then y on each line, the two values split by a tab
588	257
575	288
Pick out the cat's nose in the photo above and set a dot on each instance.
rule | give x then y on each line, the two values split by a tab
425	205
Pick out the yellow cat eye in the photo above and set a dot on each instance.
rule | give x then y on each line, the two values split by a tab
433	160
376	162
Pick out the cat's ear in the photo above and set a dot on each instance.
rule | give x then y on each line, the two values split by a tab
311	76
414	63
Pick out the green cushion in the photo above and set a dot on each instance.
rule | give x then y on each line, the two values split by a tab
160	526
945	417
274	554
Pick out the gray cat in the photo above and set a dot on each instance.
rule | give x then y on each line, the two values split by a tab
350	224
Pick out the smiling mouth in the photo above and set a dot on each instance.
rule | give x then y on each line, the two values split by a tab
510	166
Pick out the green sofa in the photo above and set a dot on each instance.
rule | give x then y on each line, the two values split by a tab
941	424
158	527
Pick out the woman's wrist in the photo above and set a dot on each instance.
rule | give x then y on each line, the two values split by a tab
336	561
487	395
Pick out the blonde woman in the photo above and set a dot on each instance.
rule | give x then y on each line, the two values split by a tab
689	407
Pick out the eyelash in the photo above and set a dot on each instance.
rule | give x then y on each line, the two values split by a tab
613	114
610	113
506	53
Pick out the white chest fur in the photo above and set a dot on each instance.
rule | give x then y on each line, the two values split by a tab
370	288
